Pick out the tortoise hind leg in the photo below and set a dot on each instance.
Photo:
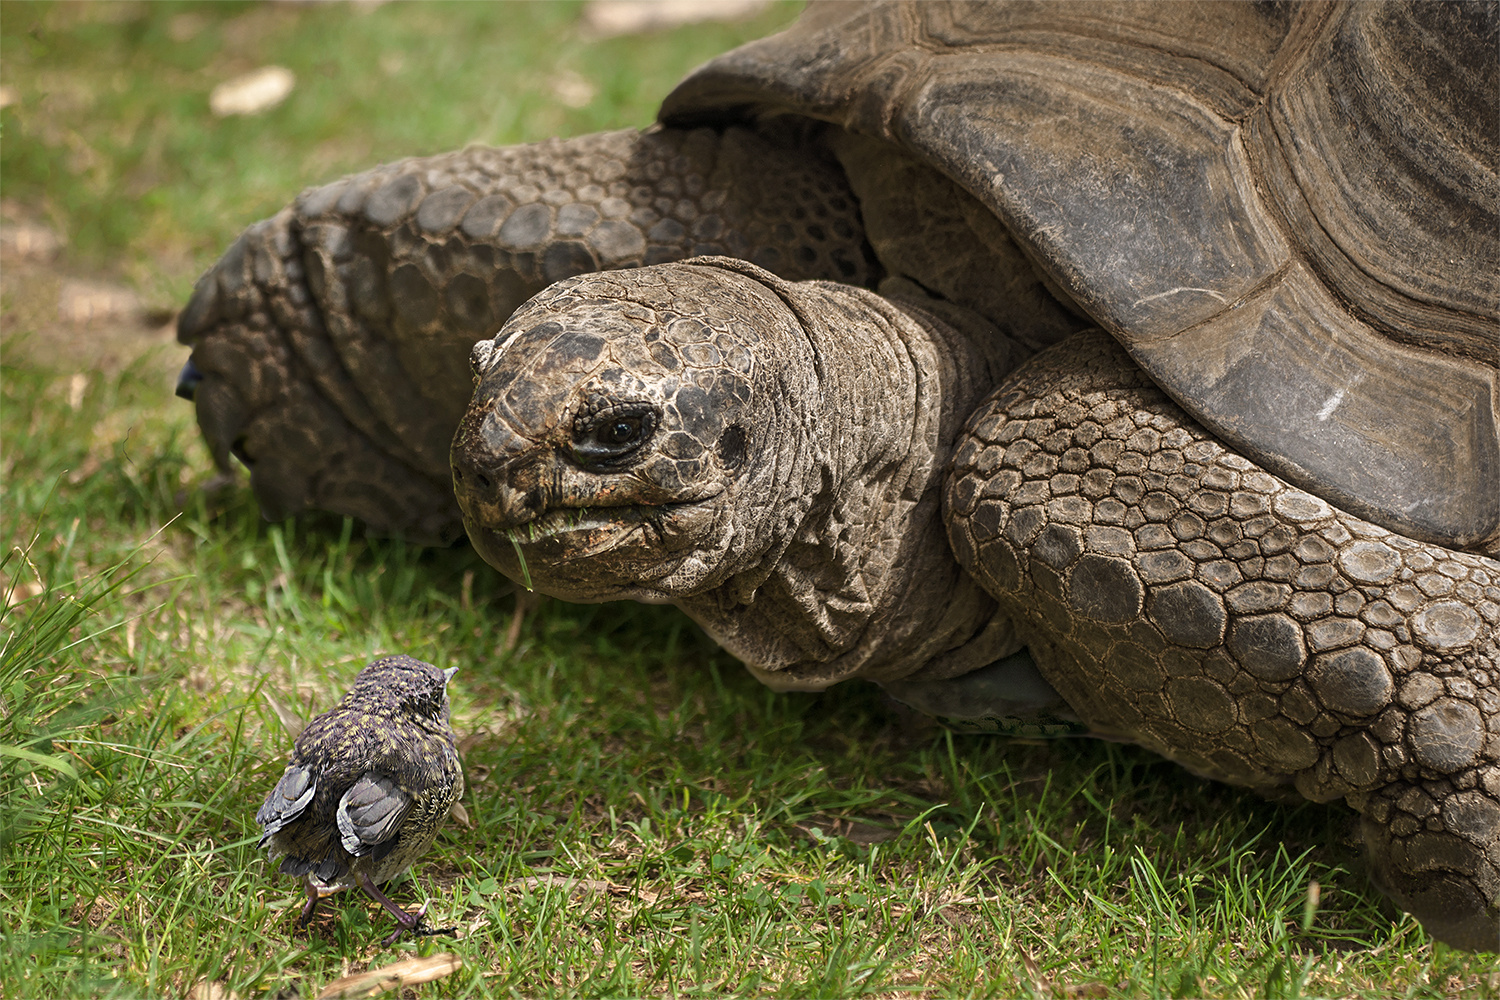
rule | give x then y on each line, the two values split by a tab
331	342
1180	597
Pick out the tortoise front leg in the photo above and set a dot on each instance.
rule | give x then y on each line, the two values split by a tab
1178	596
331	342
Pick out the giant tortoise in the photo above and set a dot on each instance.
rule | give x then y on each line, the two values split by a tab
1156	341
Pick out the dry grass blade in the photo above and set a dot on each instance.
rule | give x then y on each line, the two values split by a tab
399	975
290	720
525	601
1039	983
570	885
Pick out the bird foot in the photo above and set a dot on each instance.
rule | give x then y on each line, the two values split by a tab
411	923
395	935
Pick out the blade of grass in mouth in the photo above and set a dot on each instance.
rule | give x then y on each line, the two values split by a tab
515	543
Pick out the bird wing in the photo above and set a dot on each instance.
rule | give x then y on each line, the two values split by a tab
287	800
371	812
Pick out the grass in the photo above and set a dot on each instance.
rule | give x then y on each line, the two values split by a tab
645	818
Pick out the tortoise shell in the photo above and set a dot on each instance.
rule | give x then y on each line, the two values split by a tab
1288	214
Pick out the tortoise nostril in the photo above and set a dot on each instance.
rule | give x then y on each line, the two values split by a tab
732	446
500	489
467	473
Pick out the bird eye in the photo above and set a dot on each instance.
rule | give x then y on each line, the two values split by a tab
614	433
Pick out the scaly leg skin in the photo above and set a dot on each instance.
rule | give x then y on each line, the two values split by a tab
311	906
315	894
331	342
406	923
1178	596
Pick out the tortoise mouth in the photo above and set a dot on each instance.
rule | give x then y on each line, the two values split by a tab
562	522
565	534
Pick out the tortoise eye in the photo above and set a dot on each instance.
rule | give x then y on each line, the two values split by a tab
614	433
619	433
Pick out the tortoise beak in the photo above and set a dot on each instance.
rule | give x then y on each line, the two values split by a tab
502	495
500	478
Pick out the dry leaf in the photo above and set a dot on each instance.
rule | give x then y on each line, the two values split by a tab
569	885
398	975
82	302
28	241
21	592
253	92
78	384
203	989
606	18
572	89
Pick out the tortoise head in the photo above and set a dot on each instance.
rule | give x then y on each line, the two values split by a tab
620	426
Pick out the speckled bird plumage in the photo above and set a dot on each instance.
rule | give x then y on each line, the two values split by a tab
368	784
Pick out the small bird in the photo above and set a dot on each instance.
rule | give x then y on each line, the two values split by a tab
369	783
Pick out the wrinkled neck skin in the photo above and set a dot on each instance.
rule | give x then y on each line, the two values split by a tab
859	580
785	492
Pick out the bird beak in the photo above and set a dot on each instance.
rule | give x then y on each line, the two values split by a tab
448	674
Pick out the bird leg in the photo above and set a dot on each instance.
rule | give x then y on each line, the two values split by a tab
311	906
406	922
315	894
